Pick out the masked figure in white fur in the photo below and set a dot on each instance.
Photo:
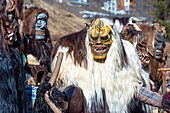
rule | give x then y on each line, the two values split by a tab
105	69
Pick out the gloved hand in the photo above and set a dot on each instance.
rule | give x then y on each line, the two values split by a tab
40	106
166	102
43	88
57	97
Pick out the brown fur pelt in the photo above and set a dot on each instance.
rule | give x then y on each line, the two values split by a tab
40	49
130	33
16	5
28	29
29	19
20	7
75	42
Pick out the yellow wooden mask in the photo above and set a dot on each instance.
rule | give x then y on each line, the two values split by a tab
100	39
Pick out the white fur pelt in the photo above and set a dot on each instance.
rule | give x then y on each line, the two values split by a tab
119	83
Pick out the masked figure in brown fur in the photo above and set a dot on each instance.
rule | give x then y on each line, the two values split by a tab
150	41
37	43
100	73
12	92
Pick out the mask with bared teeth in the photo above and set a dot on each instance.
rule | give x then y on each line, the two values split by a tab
100	39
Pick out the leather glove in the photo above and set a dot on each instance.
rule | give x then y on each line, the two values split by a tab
43	88
57	97
40	106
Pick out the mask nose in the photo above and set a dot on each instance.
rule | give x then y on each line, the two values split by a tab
98	41
161	45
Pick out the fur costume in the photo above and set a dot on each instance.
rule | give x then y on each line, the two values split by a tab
150	41
120	22
12	94
37	51
109	86
13	13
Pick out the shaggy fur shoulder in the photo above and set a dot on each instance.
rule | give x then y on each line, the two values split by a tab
76	44
11	83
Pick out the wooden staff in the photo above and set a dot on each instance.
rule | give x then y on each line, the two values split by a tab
164	69
57	68
164	77
43	100
52	80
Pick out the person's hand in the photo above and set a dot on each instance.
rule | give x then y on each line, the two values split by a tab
31	81
57	97
166	102
40	105
51	104
43	87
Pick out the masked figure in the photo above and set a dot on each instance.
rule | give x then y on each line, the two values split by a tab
12	94
100	73
100	41
37	43
41	26
138	38
150	41
159	42
11	24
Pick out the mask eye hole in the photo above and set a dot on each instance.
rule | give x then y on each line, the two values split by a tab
39	20
94	38
105	38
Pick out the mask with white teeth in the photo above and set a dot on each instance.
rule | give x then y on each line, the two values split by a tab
10	31
100	39
10	36
41	26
